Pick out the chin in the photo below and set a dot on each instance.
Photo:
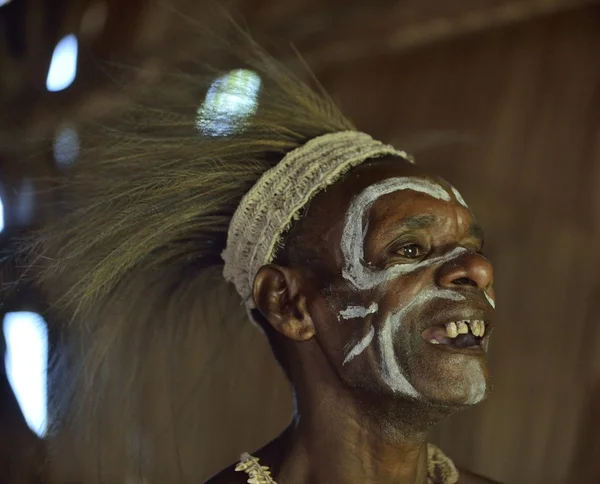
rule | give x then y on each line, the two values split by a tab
451	379
461	395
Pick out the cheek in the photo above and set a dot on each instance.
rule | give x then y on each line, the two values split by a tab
352	323
334	317
346	303
344	319
400	291
355	311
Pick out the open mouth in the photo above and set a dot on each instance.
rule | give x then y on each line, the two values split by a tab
459	334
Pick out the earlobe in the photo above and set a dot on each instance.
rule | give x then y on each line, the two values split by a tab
278	296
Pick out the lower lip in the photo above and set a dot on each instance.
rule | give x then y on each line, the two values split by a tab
471	351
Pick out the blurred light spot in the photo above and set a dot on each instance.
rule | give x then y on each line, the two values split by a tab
1	215
4	2
66	146
26	362
94	19
25	203
63	66
230	101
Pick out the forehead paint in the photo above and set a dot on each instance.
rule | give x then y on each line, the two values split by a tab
490	300
352	312
360	346
392	373
354	232
459	197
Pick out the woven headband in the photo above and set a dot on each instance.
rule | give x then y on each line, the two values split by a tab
268	209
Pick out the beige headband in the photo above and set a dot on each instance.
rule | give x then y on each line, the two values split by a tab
268	209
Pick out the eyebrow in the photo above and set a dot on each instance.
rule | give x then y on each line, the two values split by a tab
424	221
421	221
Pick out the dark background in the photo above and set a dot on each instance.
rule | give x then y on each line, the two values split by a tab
501	97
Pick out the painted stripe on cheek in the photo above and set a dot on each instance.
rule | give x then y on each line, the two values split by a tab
392	372
360	346
490	300
352	312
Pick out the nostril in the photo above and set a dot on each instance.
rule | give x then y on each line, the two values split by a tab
464	281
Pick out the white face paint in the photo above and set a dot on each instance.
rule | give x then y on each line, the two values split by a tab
360	346
392	373
352	312
459	197
352	243
364	278
475	383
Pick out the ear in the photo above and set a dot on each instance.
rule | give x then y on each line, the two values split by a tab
279	298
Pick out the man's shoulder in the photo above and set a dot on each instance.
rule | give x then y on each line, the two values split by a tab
467	477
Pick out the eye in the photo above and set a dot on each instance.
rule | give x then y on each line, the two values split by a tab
410	251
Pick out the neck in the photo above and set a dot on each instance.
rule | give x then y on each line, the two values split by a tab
333	439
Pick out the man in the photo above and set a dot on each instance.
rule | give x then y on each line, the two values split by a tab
365	272
380	309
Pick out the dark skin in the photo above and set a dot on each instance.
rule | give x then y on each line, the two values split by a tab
365	419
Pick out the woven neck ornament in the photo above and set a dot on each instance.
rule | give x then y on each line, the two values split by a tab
266	212
440	469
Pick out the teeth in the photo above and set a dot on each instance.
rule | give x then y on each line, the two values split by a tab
451	330
462	327
480	325
434	341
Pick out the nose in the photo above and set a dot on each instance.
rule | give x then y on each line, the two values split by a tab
469	269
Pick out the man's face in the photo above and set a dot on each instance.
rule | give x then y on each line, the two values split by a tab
406	308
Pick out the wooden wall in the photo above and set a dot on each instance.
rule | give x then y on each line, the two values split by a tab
522	106
512	117
529	99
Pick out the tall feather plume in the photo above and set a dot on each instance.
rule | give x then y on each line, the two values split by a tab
131	262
